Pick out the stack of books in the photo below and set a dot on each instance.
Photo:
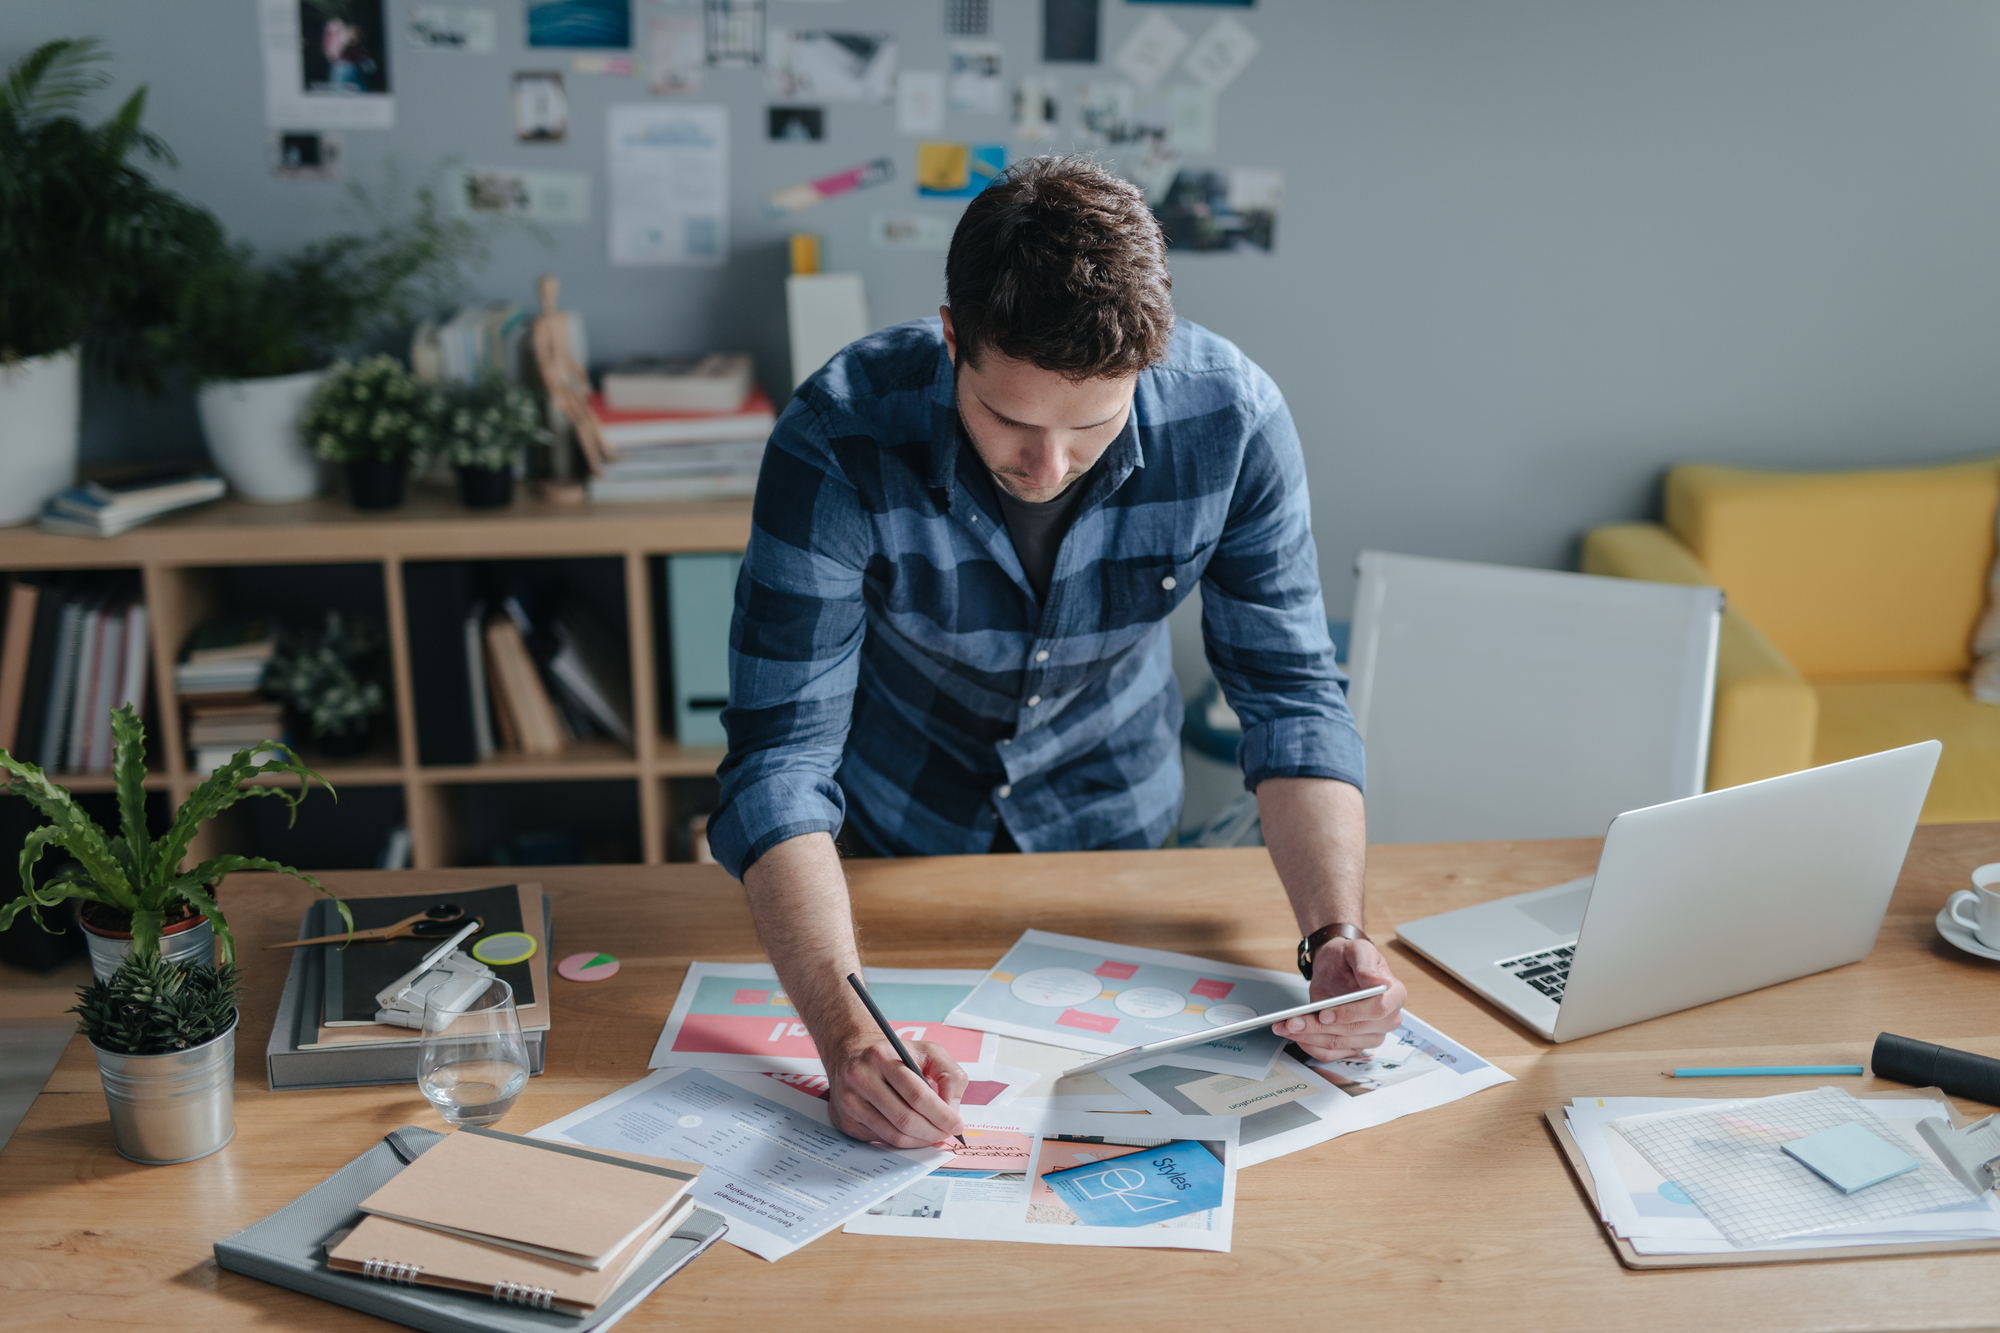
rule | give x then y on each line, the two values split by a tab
107	508
691	430
543	686
74	649
475	343
483	1232
221	666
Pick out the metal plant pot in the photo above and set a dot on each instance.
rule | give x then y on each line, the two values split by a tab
174	1107
193	943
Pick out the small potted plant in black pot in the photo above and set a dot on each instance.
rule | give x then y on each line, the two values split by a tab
331	677
371	418
482	430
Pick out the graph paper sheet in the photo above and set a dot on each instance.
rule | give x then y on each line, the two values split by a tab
1729	1159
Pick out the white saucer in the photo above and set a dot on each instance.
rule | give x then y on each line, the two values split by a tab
1962	937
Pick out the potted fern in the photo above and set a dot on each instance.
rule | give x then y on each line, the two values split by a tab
133	896
165	1038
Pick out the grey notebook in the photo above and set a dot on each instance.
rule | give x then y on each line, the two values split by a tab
287	1248
289	1068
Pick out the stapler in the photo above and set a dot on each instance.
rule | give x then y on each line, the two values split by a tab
447	979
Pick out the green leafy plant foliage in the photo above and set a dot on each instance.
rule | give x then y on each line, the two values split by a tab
131	871
92	249
332	676
368	413
241	317
484	425
152	1007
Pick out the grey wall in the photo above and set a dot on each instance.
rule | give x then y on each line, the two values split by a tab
1533	251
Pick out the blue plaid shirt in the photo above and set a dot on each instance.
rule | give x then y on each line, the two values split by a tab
890	665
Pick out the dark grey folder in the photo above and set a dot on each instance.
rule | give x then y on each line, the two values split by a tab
287	1248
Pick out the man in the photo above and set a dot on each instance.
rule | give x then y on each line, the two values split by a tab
950	628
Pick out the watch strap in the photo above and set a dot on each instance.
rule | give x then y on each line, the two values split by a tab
1309	947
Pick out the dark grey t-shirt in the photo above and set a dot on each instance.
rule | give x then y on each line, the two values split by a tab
1037	530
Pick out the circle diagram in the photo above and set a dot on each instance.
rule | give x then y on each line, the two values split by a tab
689	1121
1222	1015
587	966
1150	1002
1054	987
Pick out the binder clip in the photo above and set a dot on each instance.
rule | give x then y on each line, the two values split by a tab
1969	1152
446	978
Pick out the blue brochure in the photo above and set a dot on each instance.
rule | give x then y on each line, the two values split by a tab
1141	1188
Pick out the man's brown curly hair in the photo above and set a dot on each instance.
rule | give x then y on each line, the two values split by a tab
1061	264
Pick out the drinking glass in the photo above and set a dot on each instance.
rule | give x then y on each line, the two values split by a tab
472	1063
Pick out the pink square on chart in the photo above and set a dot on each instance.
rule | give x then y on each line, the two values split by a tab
1076	1018
1116	971
981	1092
751	997
1211	990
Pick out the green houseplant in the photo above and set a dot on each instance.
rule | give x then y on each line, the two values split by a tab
482	430
372	418
93	256
132	893
165	1038
332	678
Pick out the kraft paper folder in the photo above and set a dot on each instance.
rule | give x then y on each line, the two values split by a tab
1631	1258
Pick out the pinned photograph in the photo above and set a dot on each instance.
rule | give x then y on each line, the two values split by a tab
305	155
623	66
809	194
1069	31
450	28
1104	112
541	107
958	170
919	102
342	46
601	23
1217	210
1221	54
532	196
832	66
1035	108
795	124
326	65
735	33
973	81
968	18
910	231
675	54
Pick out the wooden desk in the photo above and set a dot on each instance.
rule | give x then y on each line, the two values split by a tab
1460	1217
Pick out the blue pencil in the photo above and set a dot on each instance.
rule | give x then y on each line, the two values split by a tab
1758	1071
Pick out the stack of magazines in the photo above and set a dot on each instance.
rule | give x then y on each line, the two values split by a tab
107	508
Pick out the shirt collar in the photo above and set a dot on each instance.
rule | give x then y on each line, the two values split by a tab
1126	452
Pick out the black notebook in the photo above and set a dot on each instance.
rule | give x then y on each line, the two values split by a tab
356	973
289	1248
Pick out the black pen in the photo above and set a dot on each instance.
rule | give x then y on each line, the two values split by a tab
902	1051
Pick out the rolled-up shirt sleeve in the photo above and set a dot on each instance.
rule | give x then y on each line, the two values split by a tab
794	648
1263	621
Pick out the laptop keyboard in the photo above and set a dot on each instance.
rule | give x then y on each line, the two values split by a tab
1547	972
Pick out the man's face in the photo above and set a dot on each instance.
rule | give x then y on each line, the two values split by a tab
1035	430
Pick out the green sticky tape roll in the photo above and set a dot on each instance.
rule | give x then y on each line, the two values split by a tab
509	946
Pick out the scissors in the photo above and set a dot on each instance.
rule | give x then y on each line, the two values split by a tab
431	923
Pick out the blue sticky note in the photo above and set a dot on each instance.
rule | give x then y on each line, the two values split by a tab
1141	1188
1849	1157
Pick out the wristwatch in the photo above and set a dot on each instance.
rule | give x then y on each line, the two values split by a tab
1310	945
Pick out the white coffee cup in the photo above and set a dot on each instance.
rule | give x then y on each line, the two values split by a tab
1983	900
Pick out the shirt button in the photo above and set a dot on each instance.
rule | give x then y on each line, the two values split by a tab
1006	740
1034	699
1168	583
1004	792
1042	656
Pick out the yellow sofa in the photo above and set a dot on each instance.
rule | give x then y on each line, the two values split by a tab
1851	603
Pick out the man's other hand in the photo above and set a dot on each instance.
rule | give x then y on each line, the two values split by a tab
873	1096
1346	1031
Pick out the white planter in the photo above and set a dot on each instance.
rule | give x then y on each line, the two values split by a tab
38	419
253	434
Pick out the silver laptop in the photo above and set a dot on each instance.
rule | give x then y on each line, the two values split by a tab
1697	900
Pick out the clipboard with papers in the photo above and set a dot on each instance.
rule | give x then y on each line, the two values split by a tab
1631	1256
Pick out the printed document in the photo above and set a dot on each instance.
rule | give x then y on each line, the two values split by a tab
775	1166
1105	998
737	1016
1076	1178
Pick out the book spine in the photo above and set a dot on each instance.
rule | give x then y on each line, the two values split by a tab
62	686
437	602
21	599
41	661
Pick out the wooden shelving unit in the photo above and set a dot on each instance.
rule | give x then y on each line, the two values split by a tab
178	556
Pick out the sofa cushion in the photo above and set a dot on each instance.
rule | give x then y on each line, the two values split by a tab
1858	717
1848	573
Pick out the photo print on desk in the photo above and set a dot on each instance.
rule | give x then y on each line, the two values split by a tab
832	66
794	124
598	23
541	107
324	71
